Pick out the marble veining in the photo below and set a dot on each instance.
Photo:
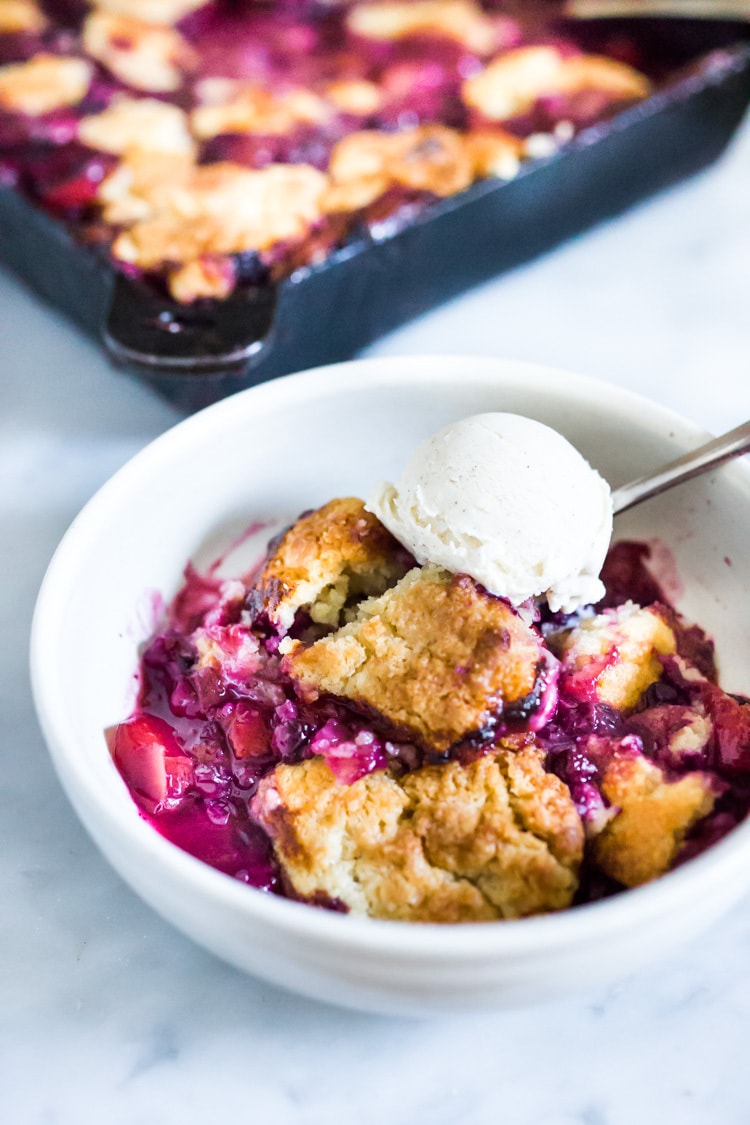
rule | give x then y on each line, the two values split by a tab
106	1013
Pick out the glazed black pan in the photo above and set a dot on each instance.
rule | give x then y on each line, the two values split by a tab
382	278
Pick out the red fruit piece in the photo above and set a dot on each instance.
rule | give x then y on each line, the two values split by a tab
248	734
152	763
731	719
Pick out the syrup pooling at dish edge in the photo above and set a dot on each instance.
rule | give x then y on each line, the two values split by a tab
349	729
203	146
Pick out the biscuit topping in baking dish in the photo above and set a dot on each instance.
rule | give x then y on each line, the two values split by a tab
359	730
393	106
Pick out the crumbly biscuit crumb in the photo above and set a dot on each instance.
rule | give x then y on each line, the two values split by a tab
242	107
222	209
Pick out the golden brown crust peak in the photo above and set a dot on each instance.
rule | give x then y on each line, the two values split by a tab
643	840
325	560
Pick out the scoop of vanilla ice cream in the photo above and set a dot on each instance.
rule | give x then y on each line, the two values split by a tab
508	501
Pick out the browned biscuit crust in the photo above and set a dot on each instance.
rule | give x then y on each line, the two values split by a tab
326	560
643	840
436	656
498	838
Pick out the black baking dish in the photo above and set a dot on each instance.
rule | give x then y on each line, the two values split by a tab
382	278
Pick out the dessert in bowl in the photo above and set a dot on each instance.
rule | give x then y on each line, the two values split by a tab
261	457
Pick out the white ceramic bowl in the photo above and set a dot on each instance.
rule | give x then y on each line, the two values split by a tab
292	444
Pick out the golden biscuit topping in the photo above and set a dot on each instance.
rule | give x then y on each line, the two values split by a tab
436	657
654	815
461	20
498	838
325	562
429	158
144	184
223	209
494	152
206	278
142	55
145	124
511	84
240	107
44	84
150	11
356	97
21	16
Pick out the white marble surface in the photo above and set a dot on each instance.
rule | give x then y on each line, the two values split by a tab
106	1013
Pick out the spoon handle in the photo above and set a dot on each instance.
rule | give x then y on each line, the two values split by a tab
691	9
706	457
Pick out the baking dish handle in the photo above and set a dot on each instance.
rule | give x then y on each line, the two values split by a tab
158	336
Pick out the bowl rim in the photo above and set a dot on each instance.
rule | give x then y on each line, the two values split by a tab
431	941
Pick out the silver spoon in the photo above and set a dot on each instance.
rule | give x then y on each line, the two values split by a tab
706	457
690	9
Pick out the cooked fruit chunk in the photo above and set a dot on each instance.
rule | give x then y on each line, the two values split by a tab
152	762
612	658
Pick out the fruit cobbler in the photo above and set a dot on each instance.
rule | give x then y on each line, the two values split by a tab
205	145
352	730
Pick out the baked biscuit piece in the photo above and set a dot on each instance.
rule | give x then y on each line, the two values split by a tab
44	84
143	124
498	838
328	558
643	840
437	657
514	81
19	16
461	20
430	158
150	11
223	208
146	56
144	184
229	106
612	658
